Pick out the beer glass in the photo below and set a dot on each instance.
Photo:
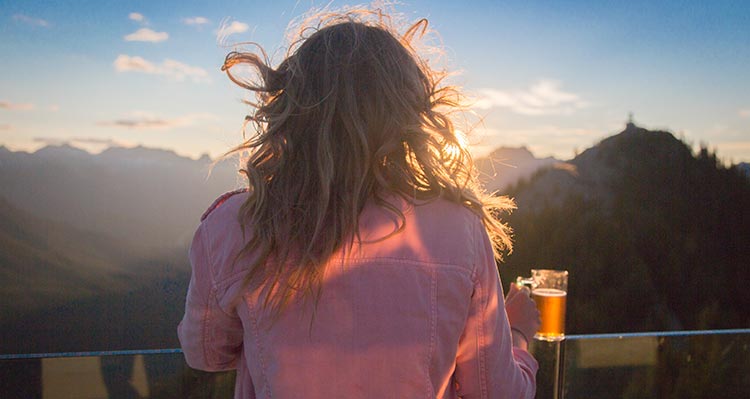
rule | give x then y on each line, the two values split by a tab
549	289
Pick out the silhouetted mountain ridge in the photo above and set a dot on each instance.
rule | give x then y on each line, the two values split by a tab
647	228
146	154
61	151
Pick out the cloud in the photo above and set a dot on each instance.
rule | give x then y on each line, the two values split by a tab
125	63
146	35
135	16
31	20
146	121
744	113
90	144
53	108
139	123
6	127
94	140
170	68
195	21
542	98
16	106
228	28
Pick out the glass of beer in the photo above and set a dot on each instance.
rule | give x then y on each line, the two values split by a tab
549	289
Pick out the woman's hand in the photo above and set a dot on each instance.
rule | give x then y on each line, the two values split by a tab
522	314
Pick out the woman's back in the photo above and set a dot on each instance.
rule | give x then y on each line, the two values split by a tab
395	318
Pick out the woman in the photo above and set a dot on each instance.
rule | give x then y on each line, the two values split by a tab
360	262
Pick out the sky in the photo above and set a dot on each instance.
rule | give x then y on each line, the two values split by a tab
554	76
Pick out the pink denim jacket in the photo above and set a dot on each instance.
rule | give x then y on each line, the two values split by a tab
417	315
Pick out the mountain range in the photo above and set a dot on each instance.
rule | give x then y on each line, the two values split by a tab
95	244
81	233
151	198
147	198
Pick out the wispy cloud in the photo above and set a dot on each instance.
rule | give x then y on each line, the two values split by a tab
16	106
5	127
170	68
31	20
744	113
95	140
229	28
143	123
126	63
82	140
86	143
136	16
545	97
140	120
146	35
195	21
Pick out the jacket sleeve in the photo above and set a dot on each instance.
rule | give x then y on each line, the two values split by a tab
487	364
210	337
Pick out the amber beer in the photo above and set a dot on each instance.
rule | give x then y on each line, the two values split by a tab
549	289
551	305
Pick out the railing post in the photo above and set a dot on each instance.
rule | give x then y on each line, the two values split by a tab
551	375
559	373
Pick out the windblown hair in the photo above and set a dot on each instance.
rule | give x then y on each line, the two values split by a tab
351	115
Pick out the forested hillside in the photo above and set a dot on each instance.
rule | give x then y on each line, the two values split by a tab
44	263
655	237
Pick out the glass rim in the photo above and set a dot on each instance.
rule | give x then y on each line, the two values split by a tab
555	271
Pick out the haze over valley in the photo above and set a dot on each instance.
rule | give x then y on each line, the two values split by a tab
93	247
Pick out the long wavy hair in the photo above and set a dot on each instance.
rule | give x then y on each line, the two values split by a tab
352	114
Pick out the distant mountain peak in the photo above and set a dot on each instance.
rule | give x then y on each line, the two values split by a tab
505	166
141	154
61	150
511	153
636	144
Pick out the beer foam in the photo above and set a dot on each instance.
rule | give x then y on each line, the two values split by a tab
549	292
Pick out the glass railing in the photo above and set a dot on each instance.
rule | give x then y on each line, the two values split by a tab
159	373
677	364
672	364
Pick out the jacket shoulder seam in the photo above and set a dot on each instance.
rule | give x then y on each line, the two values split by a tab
222	199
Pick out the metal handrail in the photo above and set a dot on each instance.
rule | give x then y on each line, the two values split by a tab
657	334
19	356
